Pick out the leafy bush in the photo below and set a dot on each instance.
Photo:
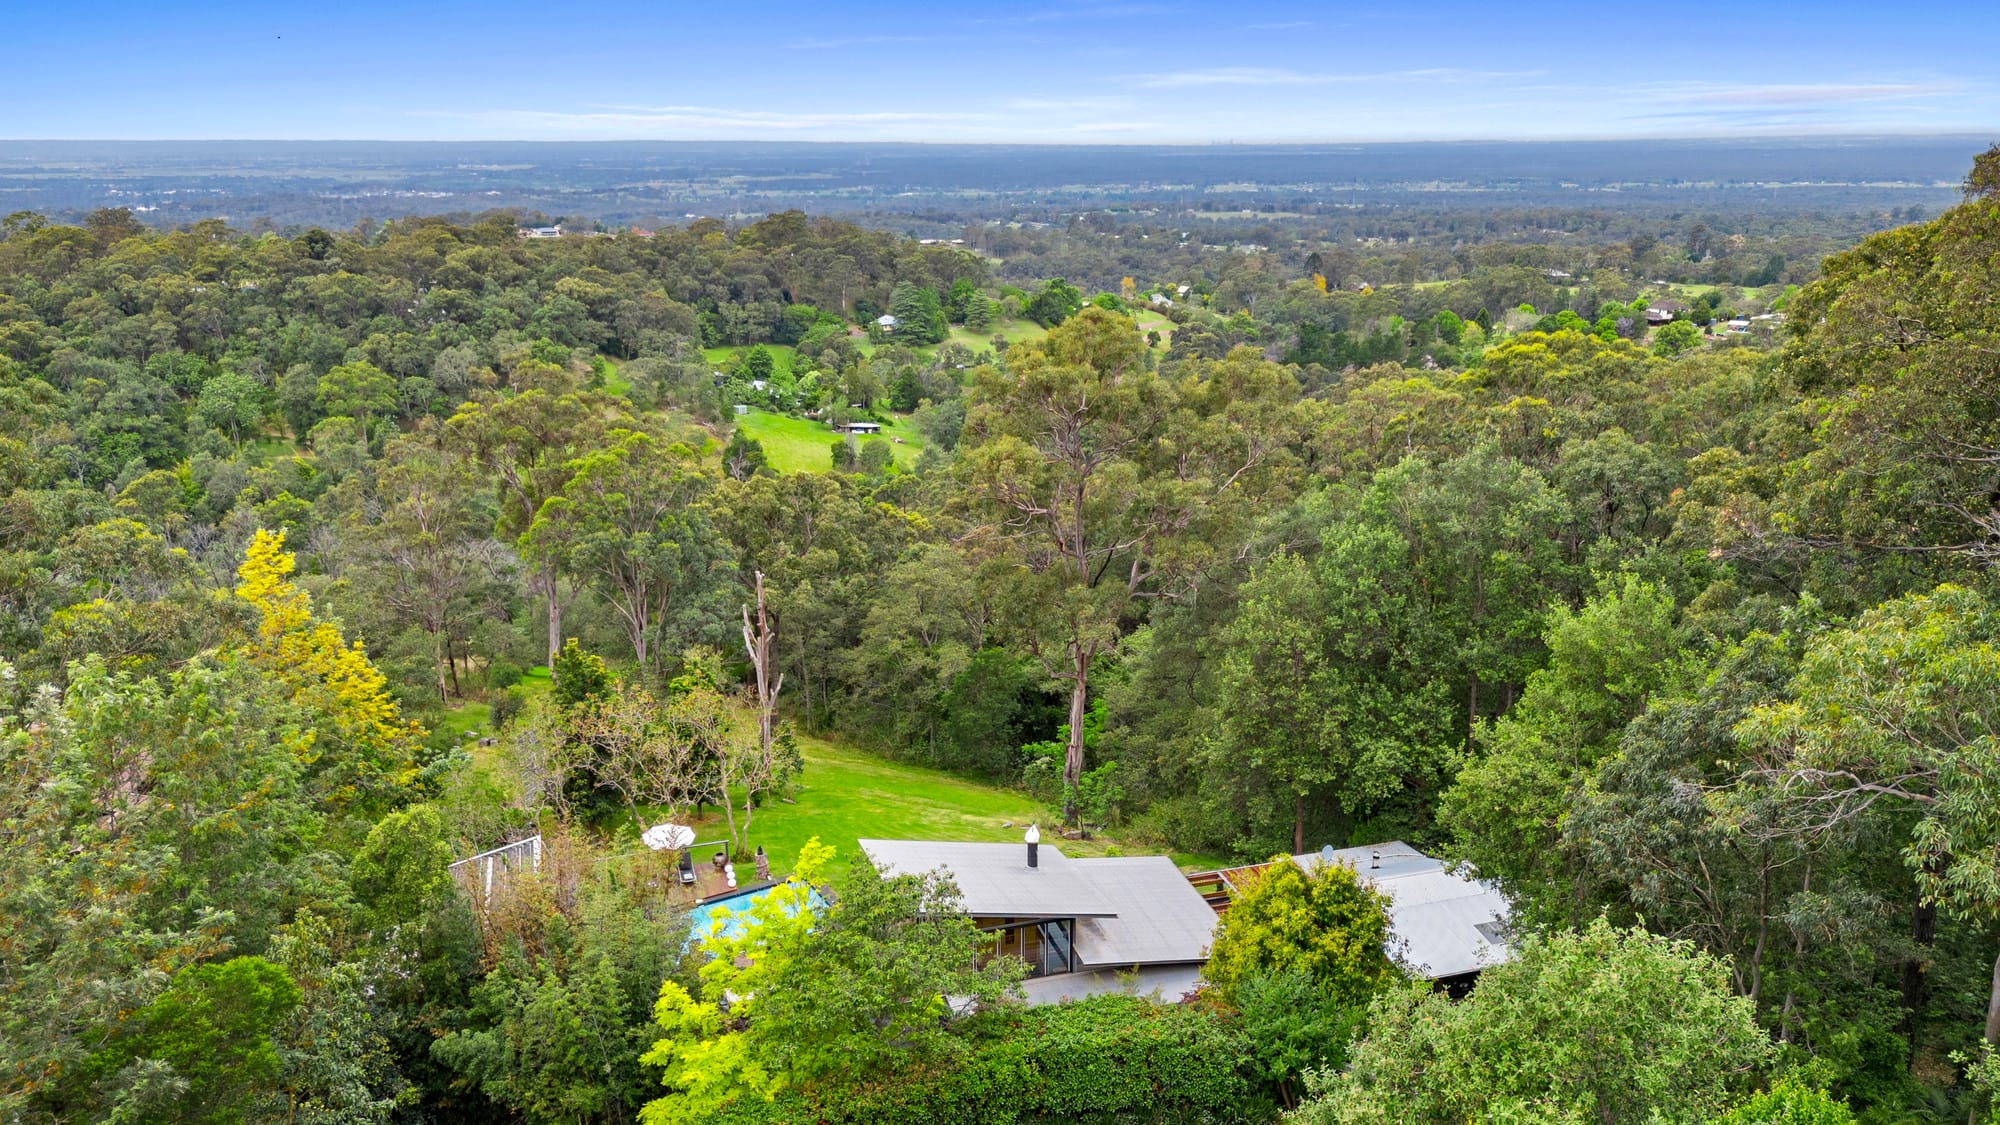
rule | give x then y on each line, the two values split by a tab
507	705
1111	1060
1788	1103
502	674
1599	1025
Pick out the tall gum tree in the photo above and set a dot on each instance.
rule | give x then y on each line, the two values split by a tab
531	442
1901	712
1095	482
630	523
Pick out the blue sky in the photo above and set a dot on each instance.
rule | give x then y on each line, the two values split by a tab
1027	70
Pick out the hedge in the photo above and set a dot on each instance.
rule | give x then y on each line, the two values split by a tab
1109	1060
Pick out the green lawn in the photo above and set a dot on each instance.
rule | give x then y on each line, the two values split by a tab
799	445
1014	331
264	450
1152	320
616	382
846	794
781	356
470	719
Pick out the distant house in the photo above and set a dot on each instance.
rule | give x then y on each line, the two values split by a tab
1445	927
1084	926
887	322
864	427
640	232
1739	324
1662	311
1161	301
542	232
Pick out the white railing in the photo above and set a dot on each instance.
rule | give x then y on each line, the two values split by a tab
480	869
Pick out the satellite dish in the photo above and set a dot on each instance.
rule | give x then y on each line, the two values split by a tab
1326	854
661	837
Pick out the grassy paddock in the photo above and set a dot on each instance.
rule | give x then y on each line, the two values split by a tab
801	445
782	355
846	794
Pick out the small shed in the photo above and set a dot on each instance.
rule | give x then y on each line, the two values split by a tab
864	427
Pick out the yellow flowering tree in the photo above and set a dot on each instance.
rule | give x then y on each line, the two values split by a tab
361	746
707	1052
797	990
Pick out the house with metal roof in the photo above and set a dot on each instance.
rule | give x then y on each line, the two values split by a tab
1444	926
1083	925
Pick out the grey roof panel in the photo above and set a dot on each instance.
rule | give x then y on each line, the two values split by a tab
1130	910
994	880
1441	923
1159	916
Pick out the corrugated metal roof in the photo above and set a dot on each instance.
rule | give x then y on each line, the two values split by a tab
994	880
1158	916
1439	921
1130	910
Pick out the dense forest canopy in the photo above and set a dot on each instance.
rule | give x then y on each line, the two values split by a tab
1667	604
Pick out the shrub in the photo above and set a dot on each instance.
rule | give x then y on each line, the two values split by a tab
1115	1060
508	704
502	674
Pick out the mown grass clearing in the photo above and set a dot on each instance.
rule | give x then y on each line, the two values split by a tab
801	445
1013	331
845	794
782	356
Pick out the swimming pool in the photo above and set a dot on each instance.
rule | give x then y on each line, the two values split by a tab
733	913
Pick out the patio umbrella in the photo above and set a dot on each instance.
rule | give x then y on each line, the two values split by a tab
663	836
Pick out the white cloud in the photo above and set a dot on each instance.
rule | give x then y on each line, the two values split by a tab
1101	128
1235	76
1275	76
1816	93
1095	103
655	119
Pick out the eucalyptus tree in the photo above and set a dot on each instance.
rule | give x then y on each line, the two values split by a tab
1095	483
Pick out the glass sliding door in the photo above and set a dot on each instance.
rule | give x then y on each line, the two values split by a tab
1058	954
1048	947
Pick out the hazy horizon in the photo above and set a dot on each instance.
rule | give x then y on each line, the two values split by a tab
1077	73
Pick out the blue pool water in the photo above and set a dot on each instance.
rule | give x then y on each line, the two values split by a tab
733	912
